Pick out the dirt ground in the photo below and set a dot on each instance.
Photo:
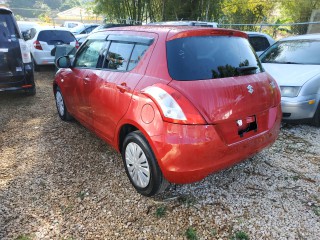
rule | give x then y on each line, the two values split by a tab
59	181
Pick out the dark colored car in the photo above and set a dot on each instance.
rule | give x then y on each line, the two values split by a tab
179	103
16	69
260	41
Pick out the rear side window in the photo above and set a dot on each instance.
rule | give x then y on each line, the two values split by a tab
293	52
137	54
118	56
8	29
259	43
209	57
53	37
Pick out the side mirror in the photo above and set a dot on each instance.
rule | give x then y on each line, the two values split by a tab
26	35
63	62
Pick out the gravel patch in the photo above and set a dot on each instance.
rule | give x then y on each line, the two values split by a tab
59	181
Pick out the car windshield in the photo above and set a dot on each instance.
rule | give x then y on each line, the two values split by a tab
209	57
293	52
53	37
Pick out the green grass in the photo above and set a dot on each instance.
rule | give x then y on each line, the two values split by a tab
81	195
214	232
161	211
23	237
187	200
240	235
191	234
316	210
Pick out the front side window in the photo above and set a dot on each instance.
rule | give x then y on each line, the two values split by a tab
293	52
89	54
210	57
118	56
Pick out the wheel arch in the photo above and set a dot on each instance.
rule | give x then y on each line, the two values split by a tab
124	130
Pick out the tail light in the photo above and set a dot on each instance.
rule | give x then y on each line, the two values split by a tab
275	90
173	106
37	45
25	51
77	45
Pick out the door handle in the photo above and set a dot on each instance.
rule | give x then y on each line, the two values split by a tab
123	87
86	79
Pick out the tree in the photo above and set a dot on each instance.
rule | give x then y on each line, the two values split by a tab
299	11
247	11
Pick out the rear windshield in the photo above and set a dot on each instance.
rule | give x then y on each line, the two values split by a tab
209	57
8	29
293	52
53	37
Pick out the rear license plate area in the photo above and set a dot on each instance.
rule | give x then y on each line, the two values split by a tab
247	125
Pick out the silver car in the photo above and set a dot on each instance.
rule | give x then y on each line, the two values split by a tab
294	63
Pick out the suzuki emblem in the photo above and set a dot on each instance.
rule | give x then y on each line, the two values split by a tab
250	89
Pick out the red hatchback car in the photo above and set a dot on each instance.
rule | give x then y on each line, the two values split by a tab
178	103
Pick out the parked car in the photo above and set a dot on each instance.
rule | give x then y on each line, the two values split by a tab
260	41
179	103
83	29
71	24
42	42
16	70
186	23
294	63
82	37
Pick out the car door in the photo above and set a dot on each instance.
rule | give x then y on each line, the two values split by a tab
80	82
115	82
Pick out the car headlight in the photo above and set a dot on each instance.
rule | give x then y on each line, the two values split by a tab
287	91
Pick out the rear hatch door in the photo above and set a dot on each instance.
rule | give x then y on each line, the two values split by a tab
49	39
11	65
223	78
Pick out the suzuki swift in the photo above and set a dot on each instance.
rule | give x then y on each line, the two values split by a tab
178	103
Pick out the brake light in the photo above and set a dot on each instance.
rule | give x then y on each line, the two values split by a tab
37	45
173	106
25	52
275	91
77	45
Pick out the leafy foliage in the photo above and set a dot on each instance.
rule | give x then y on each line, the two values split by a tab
299	11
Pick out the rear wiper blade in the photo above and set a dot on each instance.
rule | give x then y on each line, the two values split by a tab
282	62
289	62
246	68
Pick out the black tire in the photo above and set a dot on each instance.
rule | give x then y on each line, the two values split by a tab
61	107
316	117
156	183
36	67
31	91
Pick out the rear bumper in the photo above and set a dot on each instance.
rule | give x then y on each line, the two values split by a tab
188	153
299	107
17	81
43	57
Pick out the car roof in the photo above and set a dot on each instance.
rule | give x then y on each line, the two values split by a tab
315	36
256	33
6	10
171	30
41	28
184	23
